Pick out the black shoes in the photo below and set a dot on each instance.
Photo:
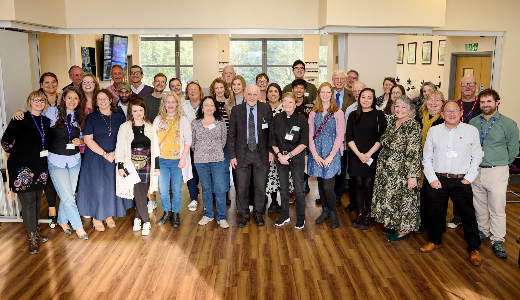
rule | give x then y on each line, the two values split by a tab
318	201
243	221
307	188
274	207
325	214
300	223
351	207
176	220
338	201
259	221
165	218
334	222
54	221
282	220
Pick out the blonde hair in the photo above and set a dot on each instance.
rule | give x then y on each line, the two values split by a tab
318	105
339	72
424	106
178	109
288	95
231	100
36	94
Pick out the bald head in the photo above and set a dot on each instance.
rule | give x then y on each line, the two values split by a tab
228	73
468	88
357	87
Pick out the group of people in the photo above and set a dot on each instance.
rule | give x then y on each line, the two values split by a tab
405	157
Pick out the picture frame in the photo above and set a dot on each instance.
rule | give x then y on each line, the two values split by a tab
441	52
412	49
426	53
400	53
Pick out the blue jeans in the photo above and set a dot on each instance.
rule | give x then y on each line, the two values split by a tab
226	161
215	171
193	183
65	181
170	173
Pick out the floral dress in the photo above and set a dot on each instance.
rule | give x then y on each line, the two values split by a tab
394	204
273	181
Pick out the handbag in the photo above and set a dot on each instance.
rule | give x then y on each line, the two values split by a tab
139	161
327	117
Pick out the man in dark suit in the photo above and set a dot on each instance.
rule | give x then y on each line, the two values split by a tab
248	142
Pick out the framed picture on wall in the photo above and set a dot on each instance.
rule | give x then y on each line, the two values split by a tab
400	53
427	52
412	48
442	46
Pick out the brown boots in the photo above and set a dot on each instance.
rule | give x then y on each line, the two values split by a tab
363	221
34	238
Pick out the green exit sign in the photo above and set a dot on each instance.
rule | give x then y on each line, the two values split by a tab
472	47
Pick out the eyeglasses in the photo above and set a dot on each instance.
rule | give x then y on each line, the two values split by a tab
434	100
36	100
161	82
451	111
124	91
299	68
88	82
352	78
135	73
339	79
261	81
471	84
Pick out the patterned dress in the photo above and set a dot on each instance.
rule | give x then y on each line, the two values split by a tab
273	181
395	205
324	143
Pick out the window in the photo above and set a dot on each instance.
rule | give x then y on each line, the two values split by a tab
168	54
323	64
250	57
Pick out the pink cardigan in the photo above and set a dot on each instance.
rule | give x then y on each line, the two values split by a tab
340	133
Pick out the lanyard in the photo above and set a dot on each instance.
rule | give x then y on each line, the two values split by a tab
55	102
468	116
69	129
42	131
482	130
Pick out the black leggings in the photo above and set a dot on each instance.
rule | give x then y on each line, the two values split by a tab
31	205
50	193
327	194
141	200
364	190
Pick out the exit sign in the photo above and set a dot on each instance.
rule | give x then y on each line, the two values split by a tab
471	47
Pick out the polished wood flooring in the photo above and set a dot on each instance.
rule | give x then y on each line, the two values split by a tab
269	262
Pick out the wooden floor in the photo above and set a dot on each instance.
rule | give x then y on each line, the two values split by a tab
269	262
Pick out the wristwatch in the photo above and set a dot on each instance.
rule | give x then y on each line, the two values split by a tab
290	155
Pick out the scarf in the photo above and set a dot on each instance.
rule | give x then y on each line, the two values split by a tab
427	124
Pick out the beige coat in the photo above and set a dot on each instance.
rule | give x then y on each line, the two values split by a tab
125	136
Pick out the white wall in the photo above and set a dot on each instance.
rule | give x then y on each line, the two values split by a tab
418	72
16	71
373	56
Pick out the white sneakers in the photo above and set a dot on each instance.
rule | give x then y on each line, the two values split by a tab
137	224
193	205
205	220
151	206
223	223
146	228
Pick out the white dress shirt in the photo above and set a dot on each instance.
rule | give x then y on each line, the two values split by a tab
349	110
455	151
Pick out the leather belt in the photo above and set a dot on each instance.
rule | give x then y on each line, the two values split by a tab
450	175
488	167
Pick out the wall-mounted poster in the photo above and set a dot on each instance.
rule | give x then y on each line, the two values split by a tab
442	46
400	53
427	52
412	47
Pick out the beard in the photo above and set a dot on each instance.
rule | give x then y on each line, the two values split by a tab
124	100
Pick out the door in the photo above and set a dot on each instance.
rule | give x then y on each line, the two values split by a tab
478	66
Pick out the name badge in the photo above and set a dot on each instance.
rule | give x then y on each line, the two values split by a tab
451	154
44	153
306	94
211	126
71	146
265	125
295	128
289	136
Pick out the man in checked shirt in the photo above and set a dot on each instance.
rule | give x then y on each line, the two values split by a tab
451	158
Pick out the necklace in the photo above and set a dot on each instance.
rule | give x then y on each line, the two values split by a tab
139	128
109	127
